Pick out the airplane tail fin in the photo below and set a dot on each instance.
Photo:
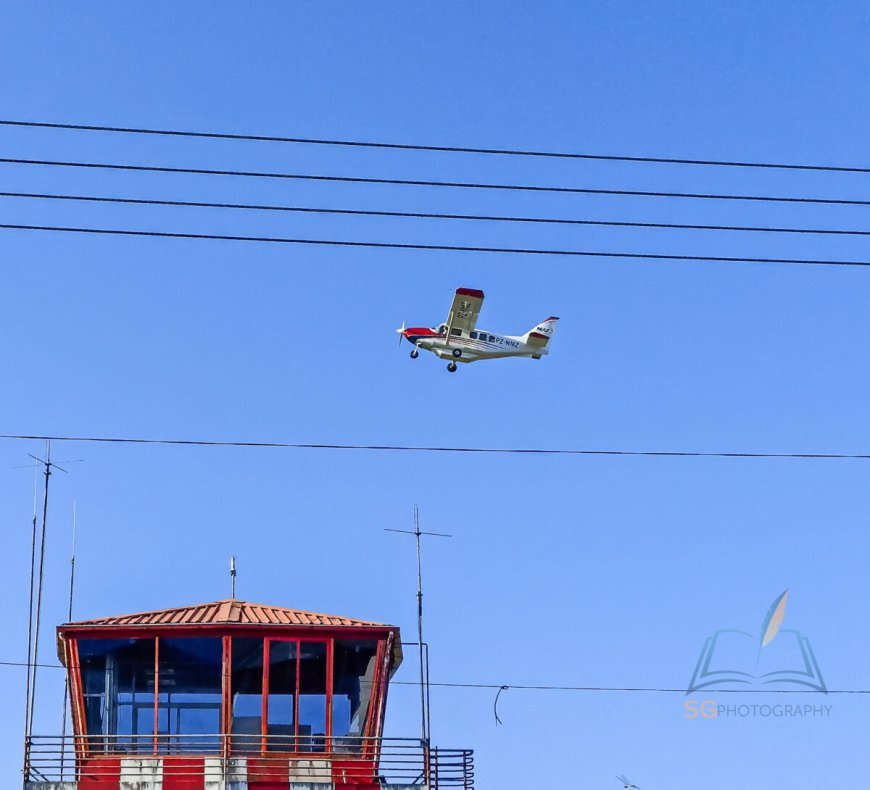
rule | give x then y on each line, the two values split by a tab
541	334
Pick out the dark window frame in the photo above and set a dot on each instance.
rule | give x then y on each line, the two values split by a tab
298	641
173	741
92	743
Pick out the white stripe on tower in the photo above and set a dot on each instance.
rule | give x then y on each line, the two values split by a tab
142	774
235	779
311	771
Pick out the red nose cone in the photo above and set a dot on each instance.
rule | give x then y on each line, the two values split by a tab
414	333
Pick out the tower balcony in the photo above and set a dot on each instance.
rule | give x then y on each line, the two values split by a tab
241	762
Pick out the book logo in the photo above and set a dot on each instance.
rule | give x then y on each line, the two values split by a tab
775	657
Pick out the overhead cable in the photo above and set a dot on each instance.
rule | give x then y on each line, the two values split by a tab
542	687
425	215
439	449
429	183
629	689
433	247
437	148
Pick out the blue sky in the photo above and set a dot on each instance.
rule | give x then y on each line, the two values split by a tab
567	571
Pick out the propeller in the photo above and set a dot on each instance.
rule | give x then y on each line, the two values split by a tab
401	332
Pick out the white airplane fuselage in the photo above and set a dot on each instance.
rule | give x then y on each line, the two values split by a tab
461	346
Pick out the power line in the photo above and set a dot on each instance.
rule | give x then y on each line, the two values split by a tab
628	689
425	215
437	449
438	148
436	247
543	687
427	183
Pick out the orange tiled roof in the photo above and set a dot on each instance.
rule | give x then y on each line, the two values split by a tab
228	610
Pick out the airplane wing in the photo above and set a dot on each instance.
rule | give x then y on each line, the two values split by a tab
465	309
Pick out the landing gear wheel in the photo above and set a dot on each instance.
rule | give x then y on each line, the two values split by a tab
457	352
415	354
452	367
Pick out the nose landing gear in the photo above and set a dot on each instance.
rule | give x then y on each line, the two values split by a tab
415	354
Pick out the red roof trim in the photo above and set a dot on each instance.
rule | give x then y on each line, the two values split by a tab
469	292
101	631
74	631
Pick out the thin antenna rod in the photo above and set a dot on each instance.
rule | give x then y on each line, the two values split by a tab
417	533
72	580
233	576
30	607
72	565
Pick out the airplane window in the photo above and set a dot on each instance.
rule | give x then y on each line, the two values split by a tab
456	332
474	335
491	339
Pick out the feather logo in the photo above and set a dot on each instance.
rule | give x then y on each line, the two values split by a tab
773	620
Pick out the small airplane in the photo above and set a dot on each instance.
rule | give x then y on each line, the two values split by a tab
625	783
458	340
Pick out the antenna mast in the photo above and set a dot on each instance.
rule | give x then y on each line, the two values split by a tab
36	615
418	533
233	575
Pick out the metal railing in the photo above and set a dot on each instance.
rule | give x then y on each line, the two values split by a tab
350	760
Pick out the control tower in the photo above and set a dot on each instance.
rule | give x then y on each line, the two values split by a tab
233	695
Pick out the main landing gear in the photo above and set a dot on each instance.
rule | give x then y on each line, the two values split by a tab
415	354
452	367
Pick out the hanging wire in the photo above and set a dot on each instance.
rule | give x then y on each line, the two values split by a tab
495	703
